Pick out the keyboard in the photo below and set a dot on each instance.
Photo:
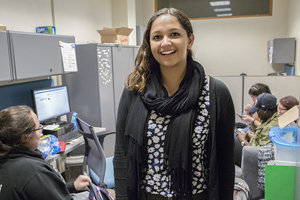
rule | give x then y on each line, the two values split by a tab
68	137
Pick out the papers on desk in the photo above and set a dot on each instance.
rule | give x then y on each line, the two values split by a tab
50	127
73	141
99	129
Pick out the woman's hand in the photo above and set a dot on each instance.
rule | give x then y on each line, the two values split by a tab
82	182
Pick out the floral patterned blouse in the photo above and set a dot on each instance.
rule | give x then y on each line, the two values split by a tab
155	179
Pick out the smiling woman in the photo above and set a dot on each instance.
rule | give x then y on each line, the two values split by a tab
196	9
168	114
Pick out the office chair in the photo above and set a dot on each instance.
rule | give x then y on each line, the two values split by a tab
94	156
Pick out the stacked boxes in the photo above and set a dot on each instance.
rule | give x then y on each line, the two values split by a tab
115	35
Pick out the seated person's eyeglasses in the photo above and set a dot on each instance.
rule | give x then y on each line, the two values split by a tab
40	127
282	108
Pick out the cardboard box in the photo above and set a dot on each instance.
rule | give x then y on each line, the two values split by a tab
2	27
115	35
288	117
46	29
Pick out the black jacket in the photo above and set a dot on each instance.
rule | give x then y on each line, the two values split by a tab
25	175
220	143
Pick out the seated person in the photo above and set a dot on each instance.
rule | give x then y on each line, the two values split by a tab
24	173
266	108
286	103
252	118
267	152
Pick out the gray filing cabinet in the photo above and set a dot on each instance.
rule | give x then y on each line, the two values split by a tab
36	55
5	66
96	88
123	64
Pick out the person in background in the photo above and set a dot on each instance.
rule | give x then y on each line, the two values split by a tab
286	103
174	127
267	152
252	118
266	108
24	174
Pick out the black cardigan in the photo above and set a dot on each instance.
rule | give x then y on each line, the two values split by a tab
220	143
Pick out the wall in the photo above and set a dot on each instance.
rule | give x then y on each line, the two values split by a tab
71	17
294	27
228	46
232	46
82	18
18	15
123	15
144	11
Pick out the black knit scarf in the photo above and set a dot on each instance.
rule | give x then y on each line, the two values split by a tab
183	106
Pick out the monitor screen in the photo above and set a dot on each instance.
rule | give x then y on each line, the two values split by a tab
51	102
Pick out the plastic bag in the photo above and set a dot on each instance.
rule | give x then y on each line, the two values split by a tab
74	121
241	190
49	145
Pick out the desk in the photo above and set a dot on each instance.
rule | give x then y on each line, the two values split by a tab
77	143
69	147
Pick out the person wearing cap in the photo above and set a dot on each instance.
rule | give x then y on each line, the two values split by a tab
252	118
266	108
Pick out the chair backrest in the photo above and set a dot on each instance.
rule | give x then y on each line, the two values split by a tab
94	155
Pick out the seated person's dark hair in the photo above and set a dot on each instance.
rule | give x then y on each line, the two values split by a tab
258	89
289	101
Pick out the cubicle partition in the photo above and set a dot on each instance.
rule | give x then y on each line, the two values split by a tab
239	86
280	86
235	86
5	62
20	94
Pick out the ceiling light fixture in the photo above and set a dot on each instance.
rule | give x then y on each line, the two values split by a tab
222	9
224	15
219	3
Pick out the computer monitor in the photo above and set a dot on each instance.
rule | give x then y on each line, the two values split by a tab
50	103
